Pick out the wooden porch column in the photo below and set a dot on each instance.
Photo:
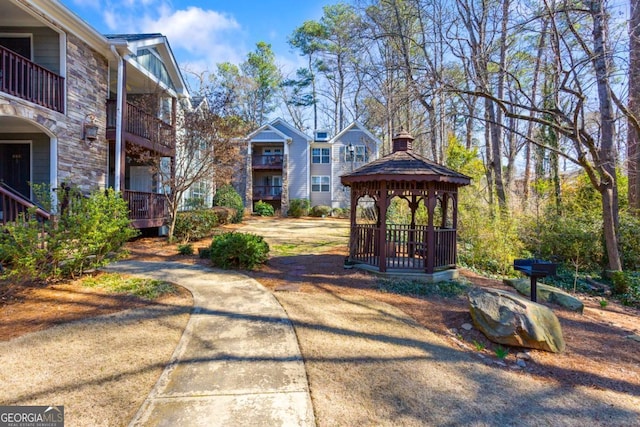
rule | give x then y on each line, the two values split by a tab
382	236
123	124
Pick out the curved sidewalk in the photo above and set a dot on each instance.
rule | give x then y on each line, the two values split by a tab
238	361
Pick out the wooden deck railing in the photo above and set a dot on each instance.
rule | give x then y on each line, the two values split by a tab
267	192
15	207
142	124
146	209
27	80
269	161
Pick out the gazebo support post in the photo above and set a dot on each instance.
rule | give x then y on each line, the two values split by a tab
353	235
382	237
412	227
431	235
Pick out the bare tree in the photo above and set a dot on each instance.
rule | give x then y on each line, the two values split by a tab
633	136
580	60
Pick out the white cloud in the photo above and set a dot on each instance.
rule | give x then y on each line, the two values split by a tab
198	37
193	29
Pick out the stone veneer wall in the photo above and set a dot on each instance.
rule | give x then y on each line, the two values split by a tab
84	163
79	163
284	206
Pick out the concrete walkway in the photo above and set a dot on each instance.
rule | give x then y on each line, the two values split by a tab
238	361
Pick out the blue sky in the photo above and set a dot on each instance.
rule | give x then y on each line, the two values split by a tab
203	33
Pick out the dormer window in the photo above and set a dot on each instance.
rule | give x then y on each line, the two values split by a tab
321	136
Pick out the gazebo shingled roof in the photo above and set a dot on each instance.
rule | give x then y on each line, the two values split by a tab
402	165
408	175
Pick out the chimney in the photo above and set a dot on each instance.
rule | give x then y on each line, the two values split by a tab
402	141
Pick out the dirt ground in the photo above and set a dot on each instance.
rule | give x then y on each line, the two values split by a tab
598	357
598	354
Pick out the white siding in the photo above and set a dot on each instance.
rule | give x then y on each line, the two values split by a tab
297	163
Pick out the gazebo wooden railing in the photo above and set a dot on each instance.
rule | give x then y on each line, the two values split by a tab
406	247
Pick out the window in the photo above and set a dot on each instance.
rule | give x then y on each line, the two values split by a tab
320	184
320	155
359	154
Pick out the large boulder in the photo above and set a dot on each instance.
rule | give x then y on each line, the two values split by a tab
546	293
510	319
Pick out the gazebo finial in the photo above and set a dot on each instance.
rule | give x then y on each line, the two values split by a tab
402	141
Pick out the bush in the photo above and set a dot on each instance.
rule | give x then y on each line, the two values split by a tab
238	250
298	207
320	211
224	214
626	286
263	209
629	242
341	212
185	249
89	230
229	197
195	225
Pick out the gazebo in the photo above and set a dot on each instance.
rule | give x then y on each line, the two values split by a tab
425	240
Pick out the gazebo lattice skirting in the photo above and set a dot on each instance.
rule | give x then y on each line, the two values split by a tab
426	248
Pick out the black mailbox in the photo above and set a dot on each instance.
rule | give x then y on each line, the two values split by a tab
535	268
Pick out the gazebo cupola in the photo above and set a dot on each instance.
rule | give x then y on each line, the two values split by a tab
404	214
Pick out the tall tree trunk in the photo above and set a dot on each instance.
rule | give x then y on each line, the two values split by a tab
608	186
633	139
534	93
496	126
471	107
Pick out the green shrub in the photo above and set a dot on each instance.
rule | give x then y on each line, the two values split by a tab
485	243
229	197
195	225
320	211
620	281
263	209
629	241
224	214
89	230
204	253
341	212
238	250
185	249
194	203
298	207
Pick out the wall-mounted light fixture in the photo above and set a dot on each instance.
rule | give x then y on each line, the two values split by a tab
351	149
89	128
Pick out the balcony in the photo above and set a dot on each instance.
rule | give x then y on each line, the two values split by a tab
26	80
142	128
267	192
266	162
146	210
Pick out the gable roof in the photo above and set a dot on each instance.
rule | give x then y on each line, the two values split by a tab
270	128
161	46
291	128
360	126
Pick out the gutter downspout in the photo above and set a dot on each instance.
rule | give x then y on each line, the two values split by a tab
118	153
